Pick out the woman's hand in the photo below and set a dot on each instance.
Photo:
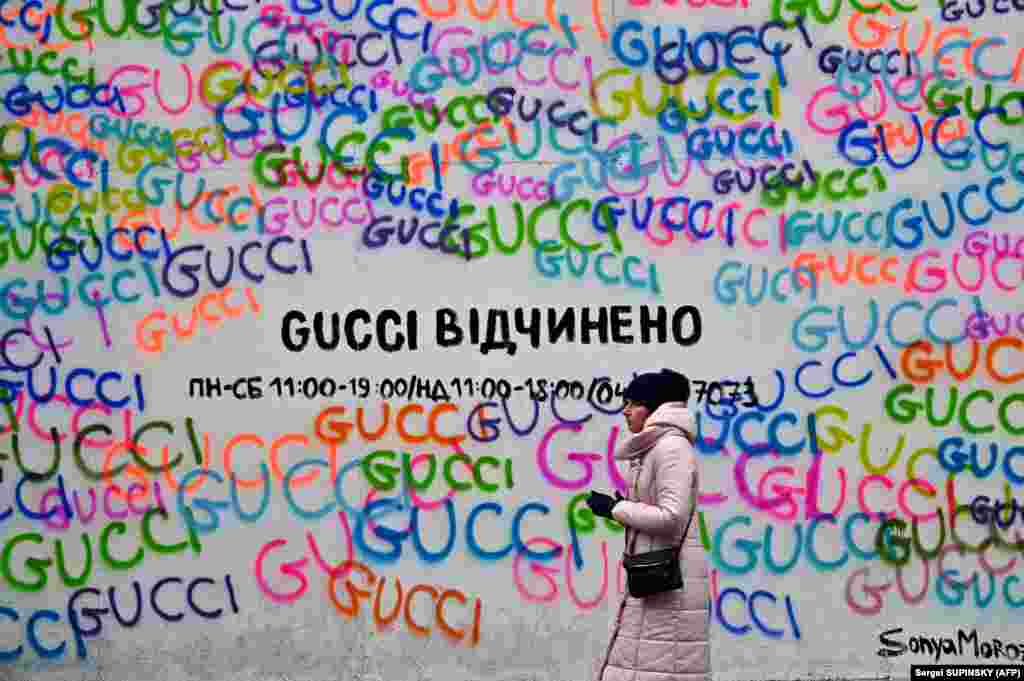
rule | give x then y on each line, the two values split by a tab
602	504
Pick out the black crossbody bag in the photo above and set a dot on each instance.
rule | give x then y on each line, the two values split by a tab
654	572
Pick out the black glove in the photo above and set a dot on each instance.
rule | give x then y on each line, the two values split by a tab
602	504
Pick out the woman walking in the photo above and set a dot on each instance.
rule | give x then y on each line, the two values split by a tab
662	636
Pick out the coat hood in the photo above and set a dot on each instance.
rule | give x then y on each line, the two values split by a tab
669	418
672	414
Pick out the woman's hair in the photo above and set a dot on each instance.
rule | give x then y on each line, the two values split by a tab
655	389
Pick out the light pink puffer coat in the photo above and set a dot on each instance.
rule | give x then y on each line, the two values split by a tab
662	637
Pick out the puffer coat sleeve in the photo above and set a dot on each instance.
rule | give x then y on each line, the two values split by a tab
669	487
664	637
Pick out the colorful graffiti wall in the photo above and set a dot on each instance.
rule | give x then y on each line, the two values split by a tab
317	315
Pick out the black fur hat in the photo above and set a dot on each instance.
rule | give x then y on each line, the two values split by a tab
655	389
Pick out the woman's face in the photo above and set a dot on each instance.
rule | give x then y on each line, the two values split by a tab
636	414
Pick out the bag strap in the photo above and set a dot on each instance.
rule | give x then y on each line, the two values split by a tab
632	497
689	522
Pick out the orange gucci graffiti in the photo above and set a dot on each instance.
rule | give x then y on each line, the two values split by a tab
151	340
